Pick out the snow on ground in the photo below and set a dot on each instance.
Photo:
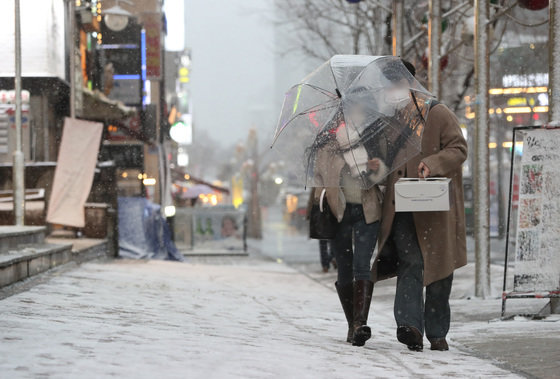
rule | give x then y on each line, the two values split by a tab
256	319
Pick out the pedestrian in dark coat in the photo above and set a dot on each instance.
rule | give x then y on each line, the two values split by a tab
424	248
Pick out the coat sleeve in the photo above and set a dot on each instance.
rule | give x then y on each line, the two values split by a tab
453	147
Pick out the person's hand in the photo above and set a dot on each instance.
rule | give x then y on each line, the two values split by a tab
373	164
423	170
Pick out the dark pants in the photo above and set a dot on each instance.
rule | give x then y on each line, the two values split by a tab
410	309
325	249
354	244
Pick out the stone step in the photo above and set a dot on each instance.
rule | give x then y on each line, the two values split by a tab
11	237
28	260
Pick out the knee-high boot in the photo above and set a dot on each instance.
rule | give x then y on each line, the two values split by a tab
345	294
362	300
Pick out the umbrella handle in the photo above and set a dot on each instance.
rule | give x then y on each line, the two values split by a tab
321	199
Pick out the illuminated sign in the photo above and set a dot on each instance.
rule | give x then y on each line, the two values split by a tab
539	79
181	131
152	25
515	101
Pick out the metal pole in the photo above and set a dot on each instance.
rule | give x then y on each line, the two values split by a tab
434	35
254	224
18	172
554	86
506	261
398	28
379	26
481	171
554	72
500	132
72	31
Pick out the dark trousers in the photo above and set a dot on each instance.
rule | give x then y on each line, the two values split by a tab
354	244
325	249
410	309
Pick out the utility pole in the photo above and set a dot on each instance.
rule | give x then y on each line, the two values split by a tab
18	170
554	73
554	86
379	37
434	36
254	225
398	28
499	135
72	52
481	172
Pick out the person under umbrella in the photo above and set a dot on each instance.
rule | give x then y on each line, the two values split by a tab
424	248
348	130
358	212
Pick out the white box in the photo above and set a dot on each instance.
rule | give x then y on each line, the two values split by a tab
422	195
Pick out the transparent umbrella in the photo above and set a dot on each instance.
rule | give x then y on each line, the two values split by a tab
365	114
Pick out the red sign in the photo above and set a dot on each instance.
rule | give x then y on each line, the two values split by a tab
152	25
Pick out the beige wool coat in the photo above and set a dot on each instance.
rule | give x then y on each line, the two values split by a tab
441	235
328	169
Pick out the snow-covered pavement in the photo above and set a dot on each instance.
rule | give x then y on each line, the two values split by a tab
273	314
253	319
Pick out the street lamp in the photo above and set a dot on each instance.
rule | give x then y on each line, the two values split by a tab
116	18
181	131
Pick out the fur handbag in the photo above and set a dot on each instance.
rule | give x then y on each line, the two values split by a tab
322	223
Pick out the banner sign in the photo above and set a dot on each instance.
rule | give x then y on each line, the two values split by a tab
74	172
152	25
536	220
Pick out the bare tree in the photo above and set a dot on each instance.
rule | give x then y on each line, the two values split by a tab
322	28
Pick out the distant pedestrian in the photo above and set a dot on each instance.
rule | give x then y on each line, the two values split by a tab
424	248
327	255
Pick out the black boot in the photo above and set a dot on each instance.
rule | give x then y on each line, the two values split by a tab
411	337
362	299
345	294
438	344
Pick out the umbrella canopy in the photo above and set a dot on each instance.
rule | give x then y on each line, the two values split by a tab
365	113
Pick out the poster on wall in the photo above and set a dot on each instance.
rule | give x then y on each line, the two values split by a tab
210	230
218	229
536	220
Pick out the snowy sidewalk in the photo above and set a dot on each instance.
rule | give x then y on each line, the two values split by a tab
254	319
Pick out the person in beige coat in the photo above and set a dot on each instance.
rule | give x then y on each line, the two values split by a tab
424	248
358	212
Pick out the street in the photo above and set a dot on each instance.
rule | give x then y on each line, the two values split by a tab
238	317
145	319
163	164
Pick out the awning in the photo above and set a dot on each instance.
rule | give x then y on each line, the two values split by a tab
98	107
178	175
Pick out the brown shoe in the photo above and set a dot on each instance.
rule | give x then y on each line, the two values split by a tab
411	337
438	344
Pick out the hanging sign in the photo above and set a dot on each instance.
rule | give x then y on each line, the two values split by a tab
152	25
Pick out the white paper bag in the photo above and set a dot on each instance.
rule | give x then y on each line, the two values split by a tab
422	195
